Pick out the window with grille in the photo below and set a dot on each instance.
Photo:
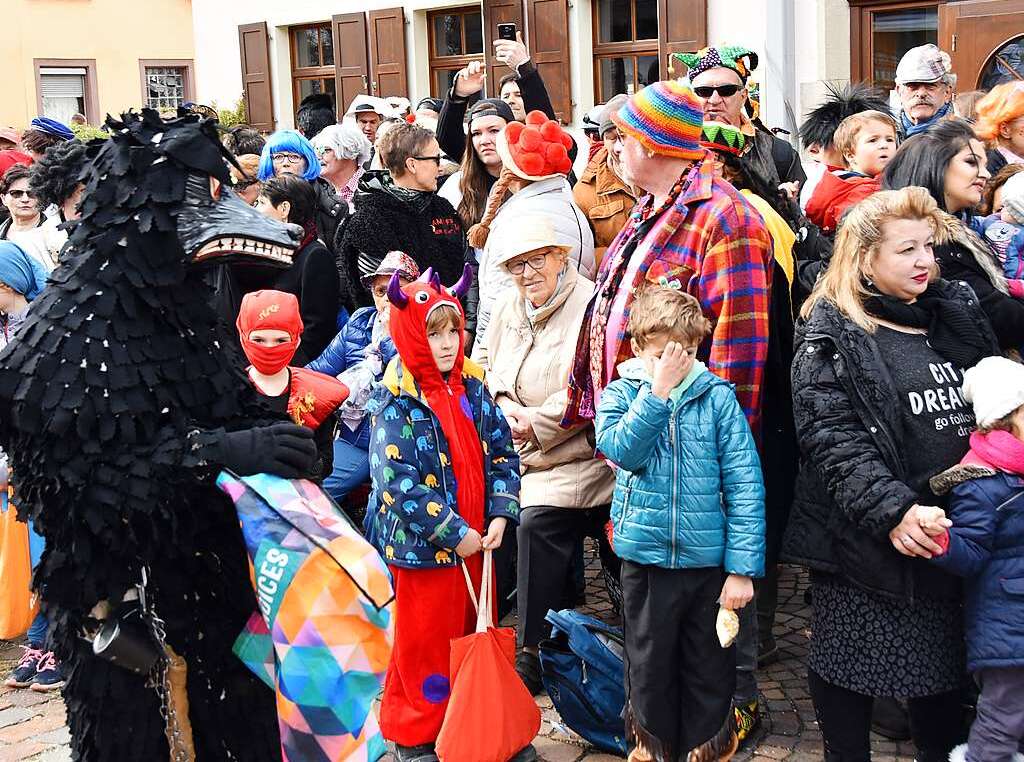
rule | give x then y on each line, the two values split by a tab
165	87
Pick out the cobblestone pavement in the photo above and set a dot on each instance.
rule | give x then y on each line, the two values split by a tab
32	724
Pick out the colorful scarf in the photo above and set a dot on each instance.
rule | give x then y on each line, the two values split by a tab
588	374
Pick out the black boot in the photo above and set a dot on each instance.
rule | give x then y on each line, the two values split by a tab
528	669
422	753
890	720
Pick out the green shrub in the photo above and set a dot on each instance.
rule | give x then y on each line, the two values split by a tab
229	117
87	132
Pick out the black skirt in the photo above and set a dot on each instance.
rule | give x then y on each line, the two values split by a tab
878	646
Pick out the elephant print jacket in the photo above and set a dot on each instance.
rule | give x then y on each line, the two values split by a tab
413	517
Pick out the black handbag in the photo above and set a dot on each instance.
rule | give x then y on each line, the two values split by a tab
130	638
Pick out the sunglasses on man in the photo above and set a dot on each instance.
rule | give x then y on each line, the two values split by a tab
725	91
21	194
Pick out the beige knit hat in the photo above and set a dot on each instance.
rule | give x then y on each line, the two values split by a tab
536	231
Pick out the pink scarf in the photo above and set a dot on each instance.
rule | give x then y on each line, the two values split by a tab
1001	450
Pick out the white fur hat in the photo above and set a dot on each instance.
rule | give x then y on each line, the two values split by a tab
995	386
1013	197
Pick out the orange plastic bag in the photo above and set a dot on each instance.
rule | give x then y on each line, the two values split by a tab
491	715
17	603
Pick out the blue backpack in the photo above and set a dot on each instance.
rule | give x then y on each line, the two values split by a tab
582	670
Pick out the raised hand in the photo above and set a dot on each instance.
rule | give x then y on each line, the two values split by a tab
671	368
512	53
470	79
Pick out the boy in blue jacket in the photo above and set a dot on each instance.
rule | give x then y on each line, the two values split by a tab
688	522
445	482
985	545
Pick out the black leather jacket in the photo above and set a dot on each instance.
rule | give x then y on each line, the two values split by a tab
850	491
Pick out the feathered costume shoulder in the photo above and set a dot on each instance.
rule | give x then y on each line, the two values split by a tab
117	361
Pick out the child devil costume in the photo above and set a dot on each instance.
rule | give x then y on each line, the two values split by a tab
119	404
442	463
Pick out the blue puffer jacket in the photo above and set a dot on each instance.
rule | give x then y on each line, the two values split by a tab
416	523
689	491
986	545
347	348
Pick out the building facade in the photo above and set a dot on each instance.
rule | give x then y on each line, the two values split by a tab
272	54
93	57
587	49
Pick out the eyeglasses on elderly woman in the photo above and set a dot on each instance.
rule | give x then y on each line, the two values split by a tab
285	157
536	263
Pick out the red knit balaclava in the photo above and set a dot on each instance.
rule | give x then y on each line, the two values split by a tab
269	310
446	397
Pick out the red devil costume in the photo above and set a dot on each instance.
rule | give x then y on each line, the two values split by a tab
441	462
310	398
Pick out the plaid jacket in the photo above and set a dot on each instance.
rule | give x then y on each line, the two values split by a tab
710	242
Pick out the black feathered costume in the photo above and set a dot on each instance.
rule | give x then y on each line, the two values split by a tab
114	402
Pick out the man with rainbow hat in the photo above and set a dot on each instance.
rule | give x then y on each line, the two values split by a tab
693	232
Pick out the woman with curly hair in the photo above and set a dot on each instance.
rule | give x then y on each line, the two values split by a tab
880	332
287	152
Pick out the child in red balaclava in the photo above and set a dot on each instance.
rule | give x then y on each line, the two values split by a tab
269	328
445	483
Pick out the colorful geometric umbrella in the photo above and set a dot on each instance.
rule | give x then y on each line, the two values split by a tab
323	635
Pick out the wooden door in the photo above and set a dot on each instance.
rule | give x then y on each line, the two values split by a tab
682	28
499	12
387	53
351	72
254	51
548	23
973	31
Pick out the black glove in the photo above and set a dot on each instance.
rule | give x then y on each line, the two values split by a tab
282	449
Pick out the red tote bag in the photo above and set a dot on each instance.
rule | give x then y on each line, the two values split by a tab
491	715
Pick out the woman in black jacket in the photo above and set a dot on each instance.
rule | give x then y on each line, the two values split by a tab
312	276
949	162
399	210
879	355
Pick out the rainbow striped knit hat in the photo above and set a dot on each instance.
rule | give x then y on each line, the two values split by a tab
666	118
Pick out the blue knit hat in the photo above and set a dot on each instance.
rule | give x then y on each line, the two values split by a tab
666	118
51	127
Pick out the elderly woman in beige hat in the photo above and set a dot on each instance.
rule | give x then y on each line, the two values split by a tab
565	491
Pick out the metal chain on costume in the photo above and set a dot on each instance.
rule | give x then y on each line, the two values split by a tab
160	679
